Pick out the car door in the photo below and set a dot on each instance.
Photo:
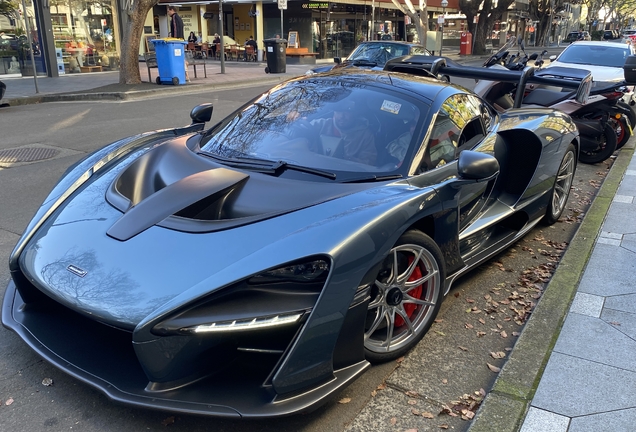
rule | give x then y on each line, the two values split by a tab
457	126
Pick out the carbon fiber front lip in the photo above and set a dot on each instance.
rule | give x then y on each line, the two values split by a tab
247	403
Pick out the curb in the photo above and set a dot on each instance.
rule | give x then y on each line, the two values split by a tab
140	94
507	403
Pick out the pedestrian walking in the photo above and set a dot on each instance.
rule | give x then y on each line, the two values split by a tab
176	23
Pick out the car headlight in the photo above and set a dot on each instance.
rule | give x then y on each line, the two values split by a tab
274	299
246	324
313	271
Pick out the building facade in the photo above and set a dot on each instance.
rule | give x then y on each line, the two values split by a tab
79	36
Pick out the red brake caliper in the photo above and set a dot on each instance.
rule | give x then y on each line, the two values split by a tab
414	292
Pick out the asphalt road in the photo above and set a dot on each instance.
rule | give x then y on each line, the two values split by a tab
450	362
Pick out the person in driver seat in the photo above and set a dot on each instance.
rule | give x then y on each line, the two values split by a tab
347	135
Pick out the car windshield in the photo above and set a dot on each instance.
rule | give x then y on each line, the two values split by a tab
326	125
595	55
381	52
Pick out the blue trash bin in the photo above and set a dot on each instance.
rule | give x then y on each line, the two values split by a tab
170	60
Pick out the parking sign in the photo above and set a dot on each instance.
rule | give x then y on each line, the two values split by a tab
282	4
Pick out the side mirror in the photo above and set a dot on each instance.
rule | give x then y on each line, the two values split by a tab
552	57
337	60
477	166
201	113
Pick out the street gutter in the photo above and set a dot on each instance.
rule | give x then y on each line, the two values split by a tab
506	405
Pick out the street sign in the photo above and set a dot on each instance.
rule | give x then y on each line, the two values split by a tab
282	4
440	19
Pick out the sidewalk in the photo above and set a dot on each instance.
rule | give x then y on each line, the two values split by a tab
589	381
573	367
105	85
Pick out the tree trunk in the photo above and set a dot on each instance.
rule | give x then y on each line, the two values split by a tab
133	29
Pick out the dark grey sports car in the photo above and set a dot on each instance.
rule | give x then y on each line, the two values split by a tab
255	268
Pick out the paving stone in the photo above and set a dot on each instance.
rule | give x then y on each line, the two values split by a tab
629	242
614	421
596	340
628	199
620	218
625	302
611	235
574	387
587	304
624	322
608	260
538	420
608	241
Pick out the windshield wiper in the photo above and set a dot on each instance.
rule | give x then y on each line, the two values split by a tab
282	165
237	162
267	166
364	62
373	178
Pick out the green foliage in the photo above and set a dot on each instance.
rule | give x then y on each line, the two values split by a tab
597	35
7	7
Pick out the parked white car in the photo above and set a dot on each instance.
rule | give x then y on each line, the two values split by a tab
604	59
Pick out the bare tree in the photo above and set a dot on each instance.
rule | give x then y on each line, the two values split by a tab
137	10
486	15
418	17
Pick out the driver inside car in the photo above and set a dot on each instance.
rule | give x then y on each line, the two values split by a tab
345	135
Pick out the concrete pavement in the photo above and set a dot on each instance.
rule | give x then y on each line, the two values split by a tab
571	369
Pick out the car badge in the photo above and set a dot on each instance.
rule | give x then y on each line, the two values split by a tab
77	270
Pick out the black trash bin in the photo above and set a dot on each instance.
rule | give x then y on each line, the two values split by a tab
275	50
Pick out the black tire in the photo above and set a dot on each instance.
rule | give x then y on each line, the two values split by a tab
401	311
158	81
175	81
561	188
607	146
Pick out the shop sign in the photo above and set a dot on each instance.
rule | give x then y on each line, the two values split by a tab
315	5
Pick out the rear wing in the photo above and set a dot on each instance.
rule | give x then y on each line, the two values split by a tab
578	79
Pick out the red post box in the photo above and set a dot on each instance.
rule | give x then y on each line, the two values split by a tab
466	43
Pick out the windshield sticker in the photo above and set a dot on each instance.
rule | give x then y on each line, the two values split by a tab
392	107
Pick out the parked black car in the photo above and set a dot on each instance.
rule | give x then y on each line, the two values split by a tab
373	55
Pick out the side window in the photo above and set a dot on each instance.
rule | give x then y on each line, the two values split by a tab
457	126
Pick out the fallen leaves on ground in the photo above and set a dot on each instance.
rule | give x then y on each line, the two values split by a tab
344	401
47	382
493	368
466	406
9	401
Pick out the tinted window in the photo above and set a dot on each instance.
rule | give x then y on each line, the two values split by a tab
321	124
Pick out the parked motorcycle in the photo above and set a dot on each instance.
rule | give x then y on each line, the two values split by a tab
598	117
622	118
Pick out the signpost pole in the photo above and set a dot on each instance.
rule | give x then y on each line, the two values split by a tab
282	5
28	31
222	45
